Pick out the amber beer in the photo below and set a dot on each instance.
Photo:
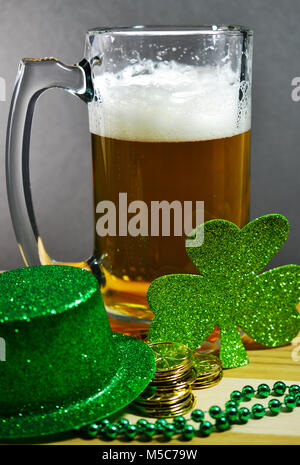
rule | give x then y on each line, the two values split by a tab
160	150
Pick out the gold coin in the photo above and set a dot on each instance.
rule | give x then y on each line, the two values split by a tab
207	378
174	401
172	375
150	390
164	393
164	401
206	384
162	398
206	364
175	407
166	411
170	356
209	370
188	378
180	410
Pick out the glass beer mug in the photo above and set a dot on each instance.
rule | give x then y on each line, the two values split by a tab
169	115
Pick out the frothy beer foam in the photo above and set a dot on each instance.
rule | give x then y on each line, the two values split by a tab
169	102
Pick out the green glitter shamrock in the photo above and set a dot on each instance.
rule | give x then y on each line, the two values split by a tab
229	293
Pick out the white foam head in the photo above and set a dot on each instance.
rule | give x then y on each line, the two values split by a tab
170	102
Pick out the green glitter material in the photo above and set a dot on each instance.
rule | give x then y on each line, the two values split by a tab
64	367
229	293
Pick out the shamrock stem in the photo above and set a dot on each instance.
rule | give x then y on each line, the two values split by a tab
232	351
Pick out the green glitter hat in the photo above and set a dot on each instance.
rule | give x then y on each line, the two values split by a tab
61	366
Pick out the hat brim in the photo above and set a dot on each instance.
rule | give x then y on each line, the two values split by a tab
134	369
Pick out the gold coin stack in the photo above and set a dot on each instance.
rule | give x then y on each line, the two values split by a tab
169	393
209	370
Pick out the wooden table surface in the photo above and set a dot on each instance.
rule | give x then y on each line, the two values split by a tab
266	365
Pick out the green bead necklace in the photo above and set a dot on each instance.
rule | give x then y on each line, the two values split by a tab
232	414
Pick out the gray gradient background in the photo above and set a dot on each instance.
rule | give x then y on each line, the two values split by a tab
60	148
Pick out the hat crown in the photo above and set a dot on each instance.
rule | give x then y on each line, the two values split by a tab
57	338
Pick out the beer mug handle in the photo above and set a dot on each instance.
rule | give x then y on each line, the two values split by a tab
36	75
